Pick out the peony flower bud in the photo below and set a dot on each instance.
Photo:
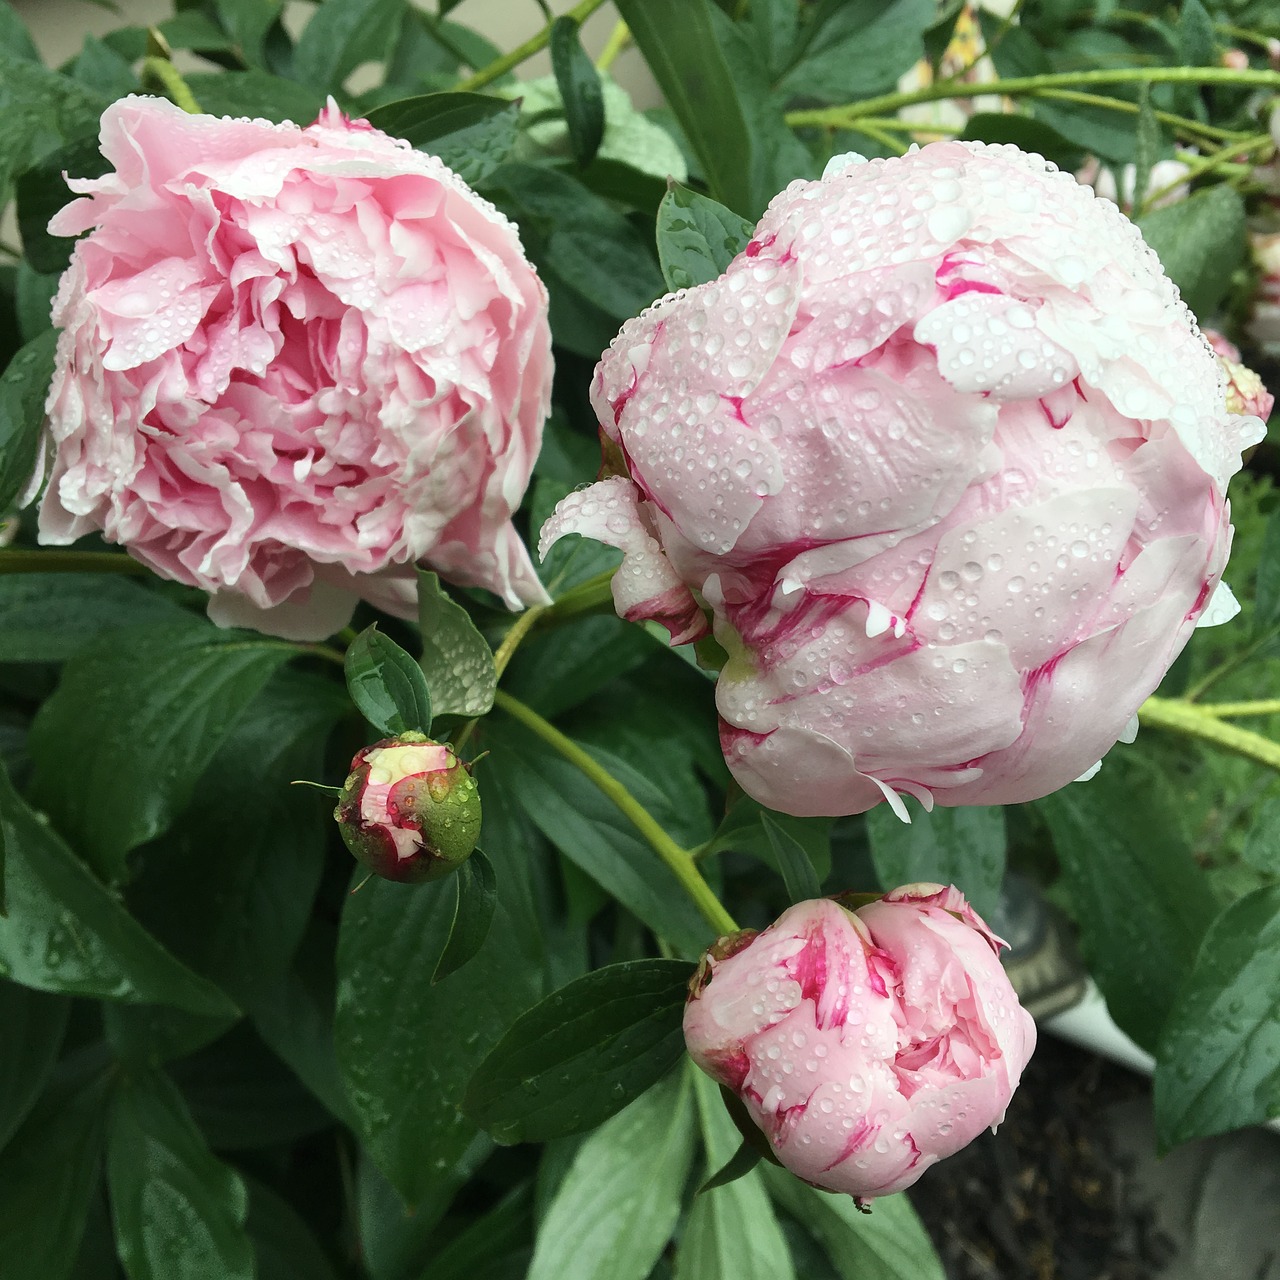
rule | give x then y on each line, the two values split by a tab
293	364
410	810
1246	392
943	459
866	1045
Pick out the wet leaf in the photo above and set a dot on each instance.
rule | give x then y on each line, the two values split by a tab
456	659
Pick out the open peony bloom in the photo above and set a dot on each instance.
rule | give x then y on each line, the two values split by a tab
865	1045
944	458
294	362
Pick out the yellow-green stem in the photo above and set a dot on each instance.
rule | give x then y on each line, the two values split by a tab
176	88
679	860
1183	124
500	66
1188	718
587	597
1018	86
1200	165
511	641
69	562
1258	707
618	40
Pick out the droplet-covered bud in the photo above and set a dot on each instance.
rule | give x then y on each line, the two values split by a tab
410	810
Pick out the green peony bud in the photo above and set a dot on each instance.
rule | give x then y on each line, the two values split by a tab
410	810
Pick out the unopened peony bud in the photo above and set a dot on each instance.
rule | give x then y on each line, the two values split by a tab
410	810
942	459
868	1044
1246	392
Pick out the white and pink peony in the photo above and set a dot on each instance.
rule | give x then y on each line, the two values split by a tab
943	459
294	363
866	1045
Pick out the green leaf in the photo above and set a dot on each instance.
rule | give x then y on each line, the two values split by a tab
1218	1065
33	1024
501	1235
179	1212
1141	902
386	685
456	658
472	133
193	30
14	36
248	22
403	1062
42	191
1266	598
737	1166
964	846
587	827
1148	146
792	862
1195	35
151	707
1024	132
583	1053
23	388
472	916
1262	844
697	237
64	932
1200	241
743	831
580	91
48	1174
678	41
256	93
889	1243
52	616
732	1233
861	50
616	1208
340	36
33	300
283	1245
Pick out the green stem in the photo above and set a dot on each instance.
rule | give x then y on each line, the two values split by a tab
69	562
873	130
1258	707
891	103
677	859
511	641
587	597
1187	718
1224	158
1184	124
176	88
500	66
618	40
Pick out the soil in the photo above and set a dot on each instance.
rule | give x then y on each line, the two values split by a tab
1049	1197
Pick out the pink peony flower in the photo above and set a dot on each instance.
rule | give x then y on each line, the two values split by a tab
294	362
944	457
866	1045
1246	392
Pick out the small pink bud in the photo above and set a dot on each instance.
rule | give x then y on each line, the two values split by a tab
1246	392
410	810
866	1045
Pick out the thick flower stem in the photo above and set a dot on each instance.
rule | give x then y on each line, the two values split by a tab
511	641
592	596
1195	721
679	860
70	562
500	66
176	89
1258	707
1022	86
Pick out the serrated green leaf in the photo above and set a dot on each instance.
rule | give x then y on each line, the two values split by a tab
615	1210
48	1173
583	1053
889	1243
386	685
792	862
179	1212
33	1024
476	889
1218	1064
154	706
23	388
580	90
456	659
1200	241
404	1065
340	36
65	933
732	1233
697	237
1141	902
472	133
964	846
52	616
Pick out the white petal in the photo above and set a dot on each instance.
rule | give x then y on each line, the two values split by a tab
1222	607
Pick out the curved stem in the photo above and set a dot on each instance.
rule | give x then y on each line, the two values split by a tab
890	103
511	641
1194	721
587	597
70	562
1258	707
500	66
679	860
